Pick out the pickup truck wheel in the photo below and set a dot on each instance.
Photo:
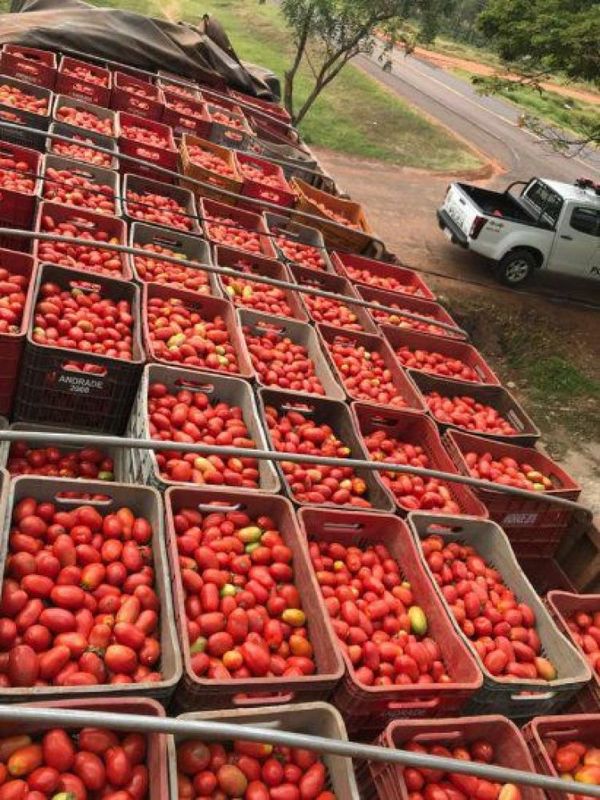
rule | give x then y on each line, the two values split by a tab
516	267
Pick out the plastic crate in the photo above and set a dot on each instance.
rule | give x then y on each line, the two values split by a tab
261	266
417	340
195	692
136	96
214	185
510	748
562	729
95	395
307	718
495	396
269	107
208	308
143	464
185	115
342	236
175	84
271	129
406	281
237	135
164	157
12	344
17	209
416	429
247	220
85	222
96	175
337	415
282	195
28	119
77	134
414	305
535	528
29	64
312	278
190	248
517	699
546	574
80	89
299	333
4	480
331	334
562	606
303	234
120	473
183	197
294	161
145	502
367	709
66	101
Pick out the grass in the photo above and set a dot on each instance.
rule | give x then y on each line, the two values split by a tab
355	115
558	380
555	109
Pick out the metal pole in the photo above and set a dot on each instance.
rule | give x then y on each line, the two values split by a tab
172	174
202	729
234	273
82	439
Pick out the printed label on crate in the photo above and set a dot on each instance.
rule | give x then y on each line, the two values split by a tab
519	519
80	384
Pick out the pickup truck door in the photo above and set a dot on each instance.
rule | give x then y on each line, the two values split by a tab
576	248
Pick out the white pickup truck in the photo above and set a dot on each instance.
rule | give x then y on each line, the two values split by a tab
546	225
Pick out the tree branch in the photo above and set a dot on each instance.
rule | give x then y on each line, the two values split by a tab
290	74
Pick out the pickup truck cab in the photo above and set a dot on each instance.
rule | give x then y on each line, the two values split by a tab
547	225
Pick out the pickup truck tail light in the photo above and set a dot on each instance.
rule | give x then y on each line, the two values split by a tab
477	226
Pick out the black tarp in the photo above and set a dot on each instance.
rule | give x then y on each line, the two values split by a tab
145	42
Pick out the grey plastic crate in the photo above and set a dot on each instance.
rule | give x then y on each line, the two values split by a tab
302	334
99	176
515	698
309	718
141	185
71	131
29	119
62	100
145	502
142	463
192	248
303	234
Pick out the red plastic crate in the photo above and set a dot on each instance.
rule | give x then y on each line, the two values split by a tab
314	279
546	574
331	334
281	194
17	209
197	692
295	233
535	528
246	220
11	344
562	729
208	308
29	64
414	305
417	340
93	392
185	115
404	280
83	221
510	748
272	109
496	397
136	96
165	157
81	89
562	606
369	708
416	429
257	265
181	87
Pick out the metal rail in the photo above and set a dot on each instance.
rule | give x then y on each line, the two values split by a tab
233	273
84	439
208	730
173	174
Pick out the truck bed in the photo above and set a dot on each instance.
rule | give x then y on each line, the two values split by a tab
496	204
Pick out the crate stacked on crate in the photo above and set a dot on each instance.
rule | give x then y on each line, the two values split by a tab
20	185
28	64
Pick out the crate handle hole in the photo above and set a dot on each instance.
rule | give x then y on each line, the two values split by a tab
280	698
209	508
343	526
428	704
519	698
59	497
84	369
85	286
301	408
193	386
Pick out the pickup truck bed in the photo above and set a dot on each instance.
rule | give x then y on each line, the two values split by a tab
496	204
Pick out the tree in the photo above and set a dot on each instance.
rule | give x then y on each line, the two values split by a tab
327	34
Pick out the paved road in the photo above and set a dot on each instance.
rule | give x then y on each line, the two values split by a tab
488	122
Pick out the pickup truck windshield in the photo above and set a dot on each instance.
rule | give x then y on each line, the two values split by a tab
545	203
